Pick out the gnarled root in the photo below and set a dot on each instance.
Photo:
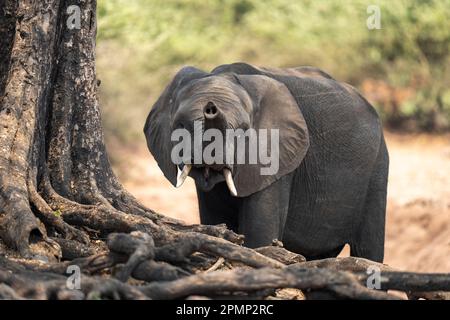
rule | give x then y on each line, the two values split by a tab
162	267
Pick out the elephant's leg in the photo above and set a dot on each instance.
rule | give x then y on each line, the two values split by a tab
368	240
262	215
218	206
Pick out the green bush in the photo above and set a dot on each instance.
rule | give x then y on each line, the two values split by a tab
142	43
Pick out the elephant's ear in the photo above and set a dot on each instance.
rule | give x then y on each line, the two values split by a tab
158	125
274	107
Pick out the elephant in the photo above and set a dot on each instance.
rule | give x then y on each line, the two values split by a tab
331	184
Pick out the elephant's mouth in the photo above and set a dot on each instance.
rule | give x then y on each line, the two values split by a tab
207	176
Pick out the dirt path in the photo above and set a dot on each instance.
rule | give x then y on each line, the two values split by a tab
418	218
418	221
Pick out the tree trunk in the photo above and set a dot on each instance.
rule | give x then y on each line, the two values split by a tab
53	159
53	156
59	196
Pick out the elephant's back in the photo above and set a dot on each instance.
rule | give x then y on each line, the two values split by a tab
318	95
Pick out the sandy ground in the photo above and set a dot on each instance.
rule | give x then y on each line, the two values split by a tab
418	216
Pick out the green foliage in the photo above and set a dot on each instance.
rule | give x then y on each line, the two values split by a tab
142	43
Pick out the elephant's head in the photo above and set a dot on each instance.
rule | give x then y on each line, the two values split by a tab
196	101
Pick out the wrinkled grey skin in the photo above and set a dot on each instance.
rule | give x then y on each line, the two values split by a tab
331	186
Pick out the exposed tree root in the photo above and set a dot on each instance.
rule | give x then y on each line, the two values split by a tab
34	285
342	284
280	254
53	219
135	255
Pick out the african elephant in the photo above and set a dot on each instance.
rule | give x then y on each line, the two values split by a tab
330	187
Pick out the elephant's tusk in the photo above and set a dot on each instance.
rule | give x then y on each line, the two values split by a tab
183	174
230	182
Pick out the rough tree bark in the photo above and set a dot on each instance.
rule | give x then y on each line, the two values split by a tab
60	200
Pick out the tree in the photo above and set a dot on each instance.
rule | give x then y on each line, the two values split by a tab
59	197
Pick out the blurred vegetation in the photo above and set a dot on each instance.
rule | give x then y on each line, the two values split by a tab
402	68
